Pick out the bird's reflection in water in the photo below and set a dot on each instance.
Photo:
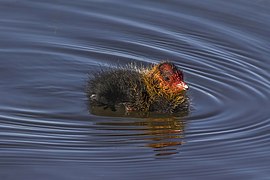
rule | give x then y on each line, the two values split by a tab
163	133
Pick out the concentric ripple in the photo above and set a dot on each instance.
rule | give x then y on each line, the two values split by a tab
49	48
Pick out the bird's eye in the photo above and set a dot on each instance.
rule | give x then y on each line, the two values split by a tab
166	78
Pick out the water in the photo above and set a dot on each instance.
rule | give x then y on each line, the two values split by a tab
49	47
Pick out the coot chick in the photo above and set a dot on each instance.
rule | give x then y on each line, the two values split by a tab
159	88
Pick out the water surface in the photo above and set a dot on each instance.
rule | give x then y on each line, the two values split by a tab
47	49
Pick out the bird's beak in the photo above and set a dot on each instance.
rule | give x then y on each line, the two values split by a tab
183	85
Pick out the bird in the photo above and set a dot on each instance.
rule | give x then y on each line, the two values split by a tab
157	88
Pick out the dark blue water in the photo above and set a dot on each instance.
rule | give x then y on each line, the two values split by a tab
47	49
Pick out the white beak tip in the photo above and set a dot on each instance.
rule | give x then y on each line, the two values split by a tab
184	86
